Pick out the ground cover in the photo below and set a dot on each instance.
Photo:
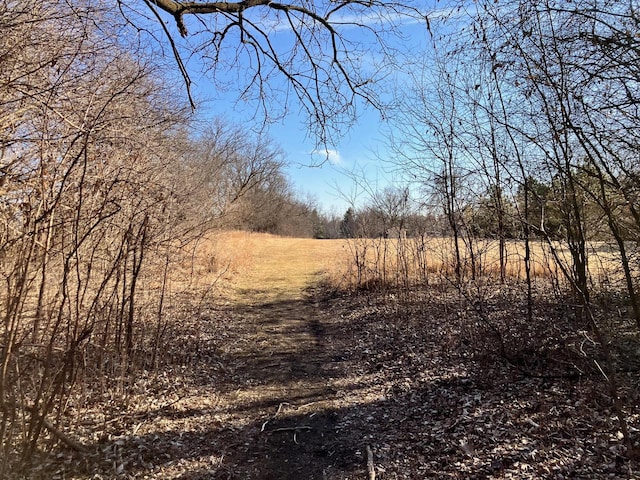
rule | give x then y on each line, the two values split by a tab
283	377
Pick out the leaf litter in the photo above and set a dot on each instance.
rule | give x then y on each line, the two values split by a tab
306	388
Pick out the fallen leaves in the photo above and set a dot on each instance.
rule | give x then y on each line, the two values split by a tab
297	390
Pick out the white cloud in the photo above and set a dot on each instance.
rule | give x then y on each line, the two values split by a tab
328	155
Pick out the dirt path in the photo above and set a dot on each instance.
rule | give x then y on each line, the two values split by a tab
287	370
263	402
289	396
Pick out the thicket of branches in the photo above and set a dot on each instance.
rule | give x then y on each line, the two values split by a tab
522	125
88	195
527	128
102	188
519	138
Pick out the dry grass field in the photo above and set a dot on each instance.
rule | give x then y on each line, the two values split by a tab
253	267
268	267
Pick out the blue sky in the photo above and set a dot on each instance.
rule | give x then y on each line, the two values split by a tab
324	174
330	175
337	174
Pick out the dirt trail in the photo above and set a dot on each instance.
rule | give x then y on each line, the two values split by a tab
287	369
259	395
251	387
285	391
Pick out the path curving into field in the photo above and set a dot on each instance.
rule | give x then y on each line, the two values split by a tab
267	394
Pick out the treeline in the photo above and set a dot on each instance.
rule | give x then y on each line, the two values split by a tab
488	214
236	180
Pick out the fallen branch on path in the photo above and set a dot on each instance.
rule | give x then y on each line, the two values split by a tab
53	430
370	466
64	438
295	431
264	425
290	429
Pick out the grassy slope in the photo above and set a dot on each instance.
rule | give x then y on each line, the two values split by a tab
278	268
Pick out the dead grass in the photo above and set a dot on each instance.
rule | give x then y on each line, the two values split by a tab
271	268
271	385
415	260
256	267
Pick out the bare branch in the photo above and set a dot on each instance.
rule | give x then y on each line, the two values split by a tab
307	55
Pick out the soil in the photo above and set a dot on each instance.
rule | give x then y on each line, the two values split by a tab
301	389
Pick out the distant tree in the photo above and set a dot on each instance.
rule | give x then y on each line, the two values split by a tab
486	222
537	199
348	225
265	207
234	178
331	225
393	205
318	224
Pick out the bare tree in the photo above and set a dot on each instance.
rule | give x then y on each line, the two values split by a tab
310	52
237	180
85	198
562	102
429	145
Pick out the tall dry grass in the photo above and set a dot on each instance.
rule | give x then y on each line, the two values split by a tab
263	267
253	266
420	260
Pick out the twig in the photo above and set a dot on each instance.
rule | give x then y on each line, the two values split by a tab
290	429
271	365
53	430
532	423
264	425
307	405
64	438
370	466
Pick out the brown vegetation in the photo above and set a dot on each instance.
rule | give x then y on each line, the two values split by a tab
285	379
105	198
422	260
488	329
